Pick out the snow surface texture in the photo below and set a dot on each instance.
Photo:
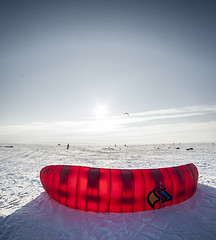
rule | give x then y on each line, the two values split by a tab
27	212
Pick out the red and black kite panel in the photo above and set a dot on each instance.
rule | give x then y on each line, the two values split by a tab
119	190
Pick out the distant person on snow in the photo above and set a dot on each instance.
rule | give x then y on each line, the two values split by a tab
67	146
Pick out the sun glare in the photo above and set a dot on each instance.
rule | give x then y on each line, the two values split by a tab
101	111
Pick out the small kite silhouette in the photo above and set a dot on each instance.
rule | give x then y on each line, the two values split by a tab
126	113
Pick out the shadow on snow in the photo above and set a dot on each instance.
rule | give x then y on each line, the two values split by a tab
43	218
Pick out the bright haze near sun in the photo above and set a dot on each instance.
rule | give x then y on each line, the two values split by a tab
101	111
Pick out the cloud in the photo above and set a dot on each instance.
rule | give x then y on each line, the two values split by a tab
200	109
145	127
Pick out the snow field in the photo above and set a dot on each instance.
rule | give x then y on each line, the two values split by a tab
27	212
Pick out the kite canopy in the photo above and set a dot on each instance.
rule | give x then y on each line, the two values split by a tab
126	113
119	190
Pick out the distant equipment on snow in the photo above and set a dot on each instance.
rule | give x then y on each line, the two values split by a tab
126	113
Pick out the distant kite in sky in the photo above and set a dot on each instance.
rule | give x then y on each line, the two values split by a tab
126	113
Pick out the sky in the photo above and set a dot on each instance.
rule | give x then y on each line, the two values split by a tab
69	70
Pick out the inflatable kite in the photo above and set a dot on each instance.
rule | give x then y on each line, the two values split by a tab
119	190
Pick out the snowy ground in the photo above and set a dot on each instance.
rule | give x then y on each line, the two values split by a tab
27	212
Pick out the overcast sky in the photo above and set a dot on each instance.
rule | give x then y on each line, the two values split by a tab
69	70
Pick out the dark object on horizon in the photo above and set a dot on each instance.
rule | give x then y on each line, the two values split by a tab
188	149
177	148
67	146
7	146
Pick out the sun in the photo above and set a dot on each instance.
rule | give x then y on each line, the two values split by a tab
101	111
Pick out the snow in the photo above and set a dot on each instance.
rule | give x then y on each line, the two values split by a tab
27	212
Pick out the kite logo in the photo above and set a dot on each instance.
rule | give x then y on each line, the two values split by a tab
158	195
